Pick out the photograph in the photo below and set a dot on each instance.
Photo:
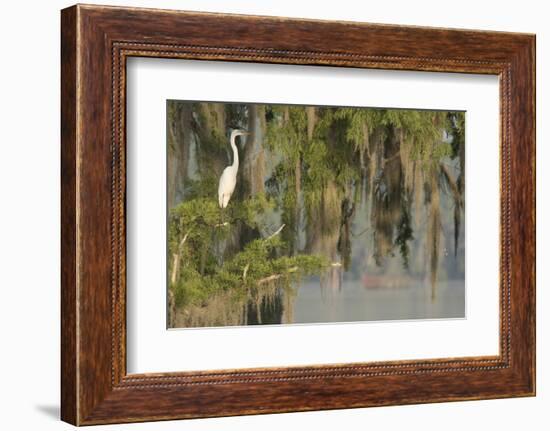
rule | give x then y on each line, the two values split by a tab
295	214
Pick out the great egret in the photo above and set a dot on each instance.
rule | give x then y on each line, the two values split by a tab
228	180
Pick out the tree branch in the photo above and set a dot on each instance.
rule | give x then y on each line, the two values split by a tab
452	184
176	259
277	232
276	276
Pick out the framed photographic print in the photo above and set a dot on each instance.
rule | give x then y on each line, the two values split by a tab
322	214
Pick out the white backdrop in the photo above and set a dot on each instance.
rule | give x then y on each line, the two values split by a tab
151	348
29	224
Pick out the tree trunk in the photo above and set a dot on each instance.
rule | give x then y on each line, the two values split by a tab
311	120
179	145
254	157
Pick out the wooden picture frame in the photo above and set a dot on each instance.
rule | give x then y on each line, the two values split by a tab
95	43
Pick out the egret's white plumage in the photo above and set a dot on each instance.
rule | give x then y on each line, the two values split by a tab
228	180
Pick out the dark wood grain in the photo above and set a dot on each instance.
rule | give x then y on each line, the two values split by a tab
69	365
96	41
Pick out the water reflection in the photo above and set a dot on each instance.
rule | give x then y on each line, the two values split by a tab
356	302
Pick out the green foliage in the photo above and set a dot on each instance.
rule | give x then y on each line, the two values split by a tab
197	227
456	129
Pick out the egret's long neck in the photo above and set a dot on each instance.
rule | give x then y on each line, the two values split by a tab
235	164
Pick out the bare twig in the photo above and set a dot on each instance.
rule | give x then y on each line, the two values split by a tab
277	232
176	259
360	233
271	277
452	184
180	245
391	158
276	276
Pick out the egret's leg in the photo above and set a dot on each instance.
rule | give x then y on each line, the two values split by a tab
221	215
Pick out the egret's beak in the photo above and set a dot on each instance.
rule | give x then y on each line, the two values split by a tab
244	134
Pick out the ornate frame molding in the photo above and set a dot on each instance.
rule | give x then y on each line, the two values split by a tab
96	41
